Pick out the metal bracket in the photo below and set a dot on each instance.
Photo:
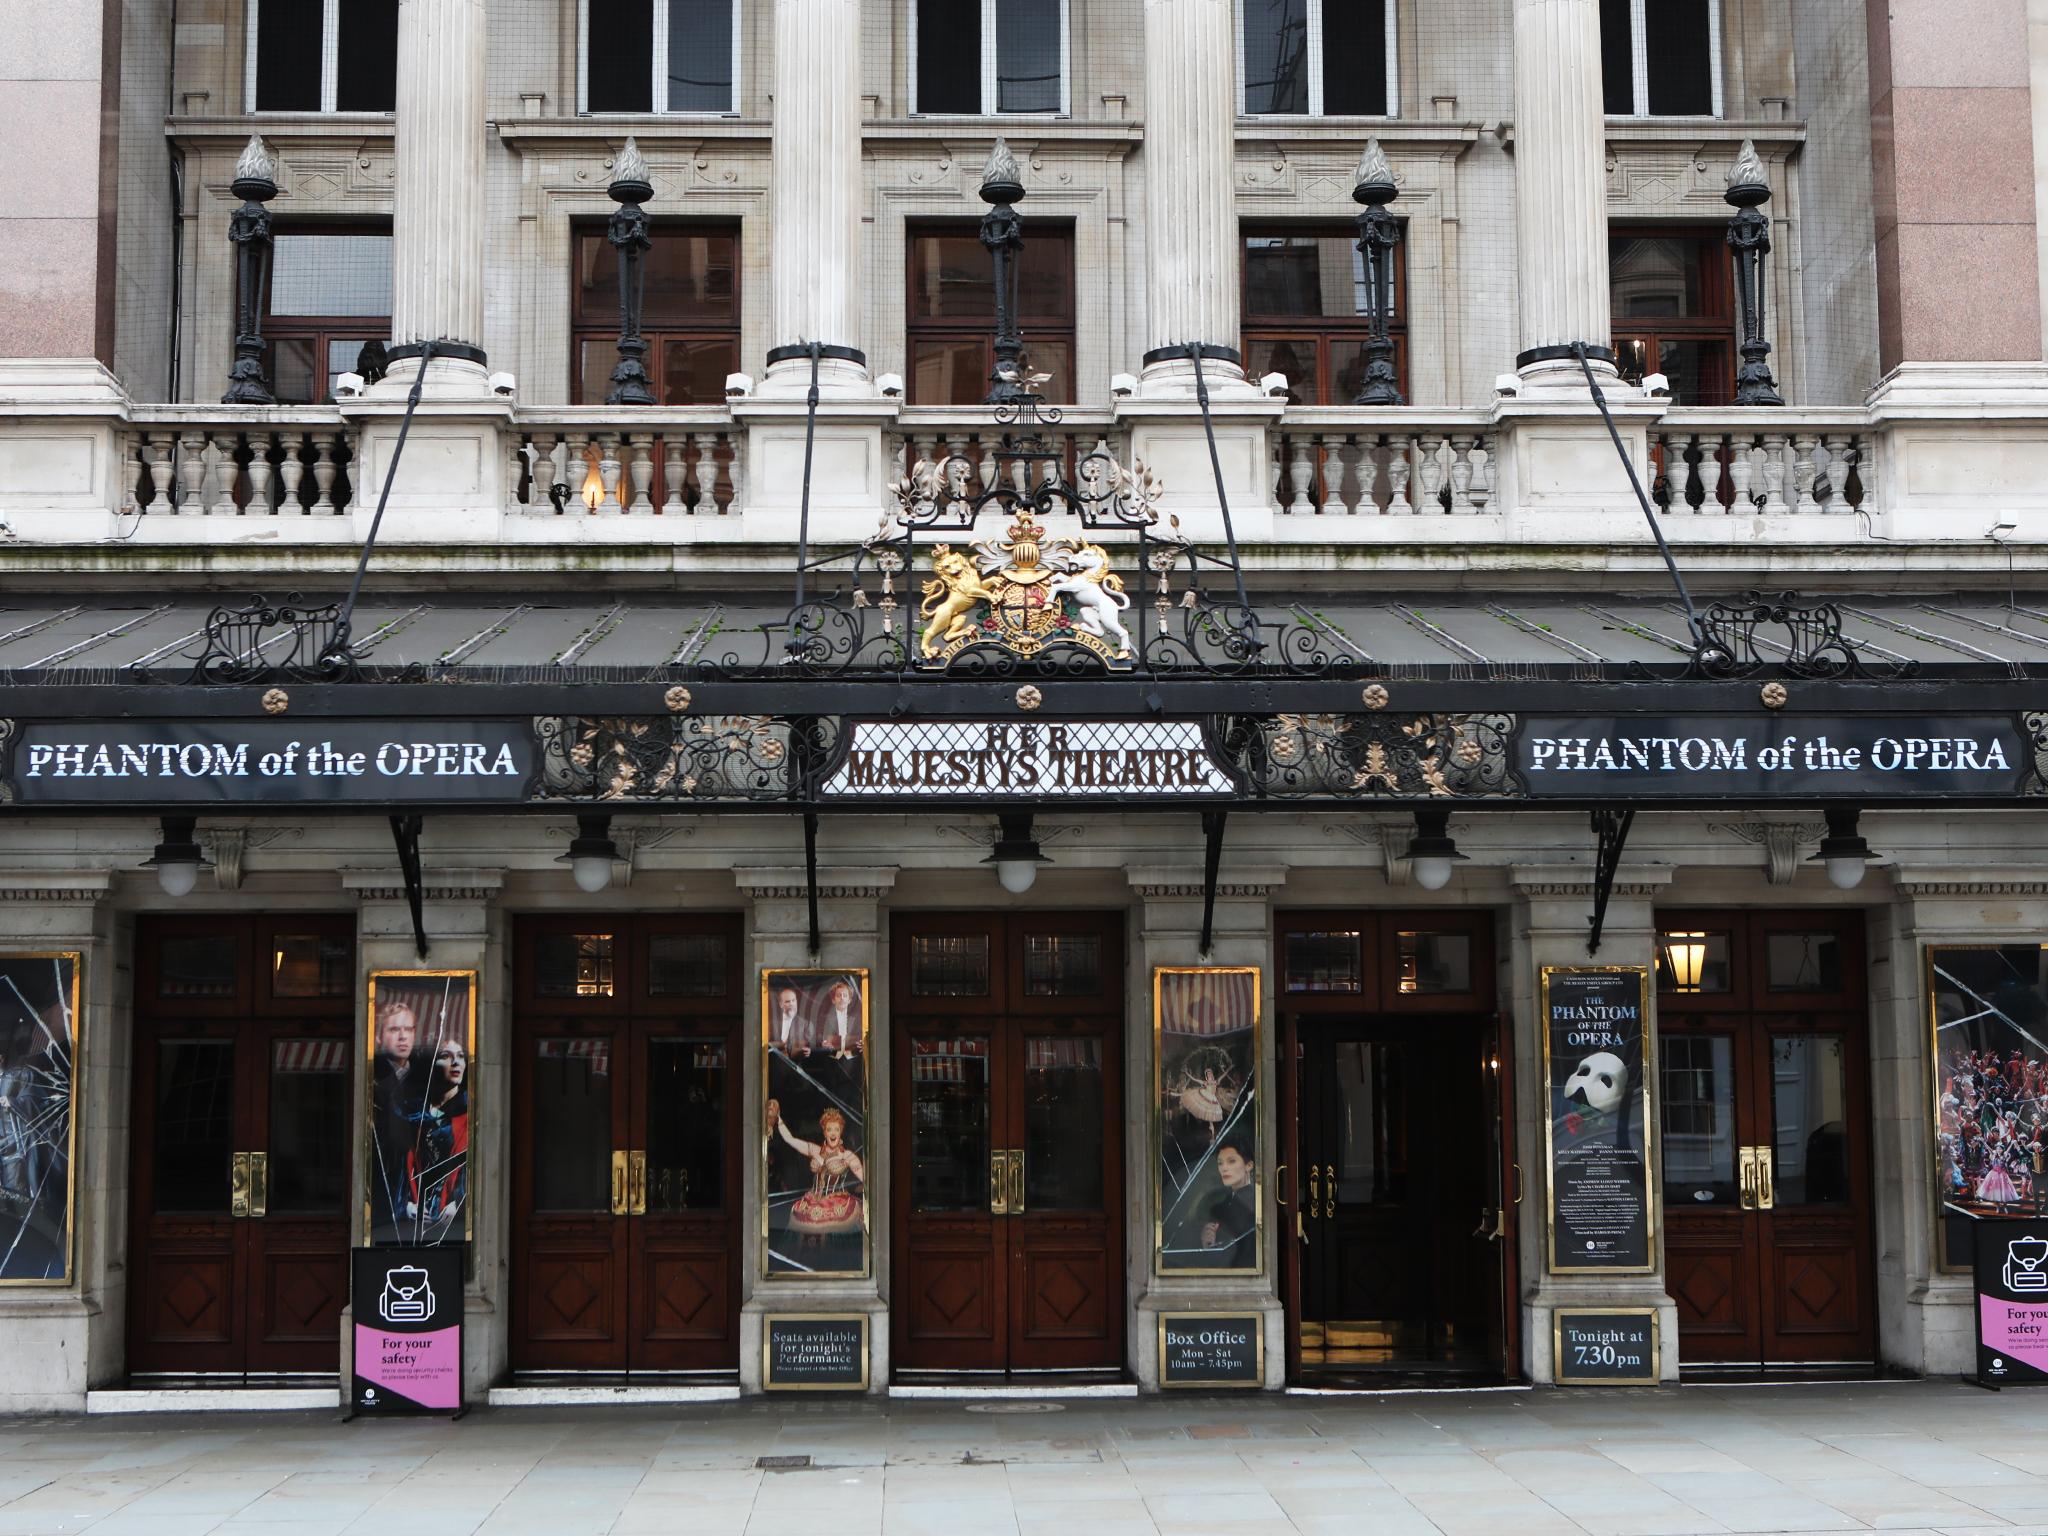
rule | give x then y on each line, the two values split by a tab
1212	861
1611	827
405	832
811	879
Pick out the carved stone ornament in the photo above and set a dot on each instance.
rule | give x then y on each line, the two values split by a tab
276	701
677	699
1375	696
1774	695
1782	842
1028	697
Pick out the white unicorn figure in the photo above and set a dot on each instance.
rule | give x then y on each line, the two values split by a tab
1097	593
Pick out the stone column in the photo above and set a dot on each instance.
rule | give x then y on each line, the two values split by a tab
1560	192
814	268
1191	278
437	205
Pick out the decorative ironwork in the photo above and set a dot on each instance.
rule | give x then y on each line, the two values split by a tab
679	757
1812	644
249	228
1611	829
1749	238
628	233
261	641
1378	233
1290	756
1002	235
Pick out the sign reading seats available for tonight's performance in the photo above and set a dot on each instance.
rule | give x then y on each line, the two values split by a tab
407	1306
2012	1300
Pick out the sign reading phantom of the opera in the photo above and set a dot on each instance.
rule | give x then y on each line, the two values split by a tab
1080	760
274	761
1695	756
1595	1059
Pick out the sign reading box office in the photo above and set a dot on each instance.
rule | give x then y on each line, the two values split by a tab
1224	1349
1596	1061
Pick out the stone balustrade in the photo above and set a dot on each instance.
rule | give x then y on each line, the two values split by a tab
597	461
1354	462
221	461
1778	463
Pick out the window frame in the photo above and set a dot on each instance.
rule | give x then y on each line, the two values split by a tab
330	66
320	329
1639	68
657	64
584	328
1719	269
983	331
988	70
1315	68
1322	330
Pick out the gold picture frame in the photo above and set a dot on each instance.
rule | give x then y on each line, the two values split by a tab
1211	1383
818	982
768	1322
384	981
1560	1377
1197	1175
67	989
1644	998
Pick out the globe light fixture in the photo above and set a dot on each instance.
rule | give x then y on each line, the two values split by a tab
1432	851
178	858
1016	856
591	854
1843	852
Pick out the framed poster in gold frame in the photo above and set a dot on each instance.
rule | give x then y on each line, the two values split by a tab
1599	1200
814	1106
420	1100
41	1031
1208	1204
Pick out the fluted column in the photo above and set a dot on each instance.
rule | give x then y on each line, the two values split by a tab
1560	189
814	263
437	207
1191	238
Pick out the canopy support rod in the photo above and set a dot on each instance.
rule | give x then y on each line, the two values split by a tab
811	879
1212	861
1611	828
1244	601
405	832
337	650
795	642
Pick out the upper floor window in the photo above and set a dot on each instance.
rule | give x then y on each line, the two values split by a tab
330	297
690	313
322	56
1674	310
1304	311
659	55
1661	58
1316	58
979	57
952	312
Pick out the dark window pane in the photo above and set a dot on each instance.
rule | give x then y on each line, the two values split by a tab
197	965
949	965
692	276
948	371
572	1125
1062	964
294	364
1689	961
309	1107
619	61
949	1125
288	56
1373	1102
312	965
686	965
195	1125
1028	56
1323	962
1699	1119
949	55
686	1141
1063	1119
1662	277
955	278
1318	275
1617	58
1044	354
573	964
1355	57
327	274
1677	39
1809	1117
700	55
1700	371
1294	356
1435	963
1275	56
694	372
1803	962
366	58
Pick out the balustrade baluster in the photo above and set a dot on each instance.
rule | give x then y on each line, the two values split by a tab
259	475
736	449
162	463
226	474
1369	475
1803	444
1330	449
642	471
1774	475
191	472
1461	472
291	473
325	445
1828	477
1399	445
1276	472
1481	491
1741	467
1430	501
1302	459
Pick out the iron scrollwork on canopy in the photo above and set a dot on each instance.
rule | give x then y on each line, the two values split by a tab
1805	639
681	757
261	641
1369	756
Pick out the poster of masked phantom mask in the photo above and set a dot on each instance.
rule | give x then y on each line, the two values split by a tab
1205	1022
1596	1062
39	1025
814	1200
422	1030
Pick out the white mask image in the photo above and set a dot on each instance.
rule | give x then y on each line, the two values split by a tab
1598	1082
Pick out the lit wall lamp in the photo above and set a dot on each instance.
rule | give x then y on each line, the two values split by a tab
1016	855
1431	851
591	854
1685	960
178	859
1843	851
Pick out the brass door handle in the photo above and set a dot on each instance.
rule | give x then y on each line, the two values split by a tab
1016	1181
622	1203
1300	1229
1746	1178
1280	1199
998	1182
636	1183
238	1185
1518	1183
1766	1179
259	1184
1315	1190
1329	1189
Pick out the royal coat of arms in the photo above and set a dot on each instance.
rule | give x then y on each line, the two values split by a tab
1024	592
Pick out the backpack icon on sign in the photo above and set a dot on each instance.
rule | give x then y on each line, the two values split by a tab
406	1298
2026	1264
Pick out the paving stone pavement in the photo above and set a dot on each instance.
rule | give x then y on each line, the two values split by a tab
1904	1457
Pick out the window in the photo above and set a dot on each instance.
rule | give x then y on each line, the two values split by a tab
952	312
1317	58
659	55
1304	311
330	297
980	57
1661	58
322	56
1674	312
690	313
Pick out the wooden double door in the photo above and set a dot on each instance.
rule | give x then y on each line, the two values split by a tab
626	1151
243	1108
1008	1149
1764	1075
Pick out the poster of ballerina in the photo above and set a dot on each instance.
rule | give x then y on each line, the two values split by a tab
1205	1050
422	1063
1990	1055
814	1202
39	1023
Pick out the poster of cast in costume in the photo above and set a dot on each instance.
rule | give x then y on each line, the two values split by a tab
1594	1058
1207	1051
1990	1076
814	1032
38	1049
422	1035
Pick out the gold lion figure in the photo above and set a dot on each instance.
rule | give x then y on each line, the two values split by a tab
949	597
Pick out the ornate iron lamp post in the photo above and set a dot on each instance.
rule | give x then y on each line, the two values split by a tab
1749	238
1378	233
628	234
255	184
1002	232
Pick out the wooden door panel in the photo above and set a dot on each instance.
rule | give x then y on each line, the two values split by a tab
572	1314
298	1296
187	1309
951	1301
1064	1289
1714	1284
1817	1305
684	1301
